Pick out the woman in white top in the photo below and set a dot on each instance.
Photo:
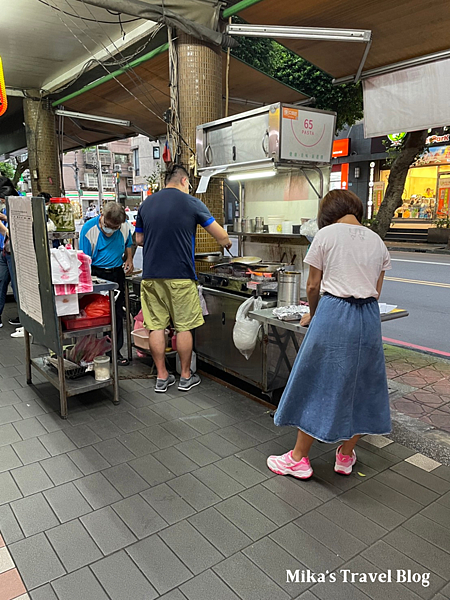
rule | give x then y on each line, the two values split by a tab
337	390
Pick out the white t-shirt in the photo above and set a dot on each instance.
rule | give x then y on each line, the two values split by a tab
351	257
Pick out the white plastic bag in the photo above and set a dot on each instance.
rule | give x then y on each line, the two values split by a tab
309	229
205	310
65	265
245	332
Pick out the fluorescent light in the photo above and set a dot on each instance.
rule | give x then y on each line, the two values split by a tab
301	33
85	117
251	175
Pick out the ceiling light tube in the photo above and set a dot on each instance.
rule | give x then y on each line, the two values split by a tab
85	117
251	175
301	33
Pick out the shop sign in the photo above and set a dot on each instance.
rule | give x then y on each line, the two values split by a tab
443	198
3	98
341	147
141	187
378	193
437	139
396	138
306	136
437	155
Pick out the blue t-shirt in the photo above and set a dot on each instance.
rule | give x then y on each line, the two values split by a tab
169	222
106	252
2	237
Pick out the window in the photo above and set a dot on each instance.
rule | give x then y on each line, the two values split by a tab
121	158
136	162
91	180
108	181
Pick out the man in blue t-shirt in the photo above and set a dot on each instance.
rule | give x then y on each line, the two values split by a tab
106	239
165	226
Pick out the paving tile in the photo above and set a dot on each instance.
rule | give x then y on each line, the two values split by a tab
159	564
324	471
8	459
247	580
140	517
274	561
43	593
293	494
426	554
81	584
108	531
237	437
330	534
198	452
218	417
256	459
207	586
122	579
191	547
249	520
180	430
6	562
352	521
438	513
418	475
82	435
67	502
372	509
97	490
12	585
194	492
160	437
53	422
61	469
29	428
273	507
218	444
390	497
336	590
312	553
138	444
30	451
184	405
36	561
386	557
81	416
200	424
202	400
7	384
126	481
34	514
57	443
218	481
10	529
28	408
8	435
31	479
405	486
225	536
73	545
164	411
128	422
260	433
175	461
105	429
241	471
151	470
423	462
167	503
114	452
88	460
443	472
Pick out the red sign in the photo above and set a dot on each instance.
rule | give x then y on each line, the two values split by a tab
341	147
344	176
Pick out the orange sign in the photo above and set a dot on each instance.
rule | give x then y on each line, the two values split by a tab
290	113
341	147
344	176
3	99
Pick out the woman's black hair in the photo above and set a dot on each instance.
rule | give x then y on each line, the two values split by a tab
7	188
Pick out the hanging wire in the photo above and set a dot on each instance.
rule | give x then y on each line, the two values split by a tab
87	18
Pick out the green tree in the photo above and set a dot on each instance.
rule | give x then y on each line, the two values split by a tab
7	170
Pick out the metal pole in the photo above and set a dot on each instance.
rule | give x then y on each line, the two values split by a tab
128	319
100	178
114	352
27	356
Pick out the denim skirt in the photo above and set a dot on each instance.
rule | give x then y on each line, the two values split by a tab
338	386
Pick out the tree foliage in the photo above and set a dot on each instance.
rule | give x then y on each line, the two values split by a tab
280	63
7	170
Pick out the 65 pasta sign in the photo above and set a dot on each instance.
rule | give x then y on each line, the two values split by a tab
3	99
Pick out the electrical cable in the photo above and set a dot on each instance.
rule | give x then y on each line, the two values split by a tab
87	18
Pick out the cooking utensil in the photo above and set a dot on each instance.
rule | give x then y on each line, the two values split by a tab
288	288
247	260
232	255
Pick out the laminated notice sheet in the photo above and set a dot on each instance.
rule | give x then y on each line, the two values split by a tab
27	277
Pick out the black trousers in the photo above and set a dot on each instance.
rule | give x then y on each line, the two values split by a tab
118	276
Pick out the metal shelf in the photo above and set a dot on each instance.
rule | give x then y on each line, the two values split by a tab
88	331
266	235
73	386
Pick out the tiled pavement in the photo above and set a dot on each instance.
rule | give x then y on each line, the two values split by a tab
168	496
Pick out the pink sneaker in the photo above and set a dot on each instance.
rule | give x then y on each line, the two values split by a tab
344	464
286	465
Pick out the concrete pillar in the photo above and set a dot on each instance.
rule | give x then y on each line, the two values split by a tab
200	101
42	146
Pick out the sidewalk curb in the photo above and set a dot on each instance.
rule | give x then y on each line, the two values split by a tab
419	248
420	436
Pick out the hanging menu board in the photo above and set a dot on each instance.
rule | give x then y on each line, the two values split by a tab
307	135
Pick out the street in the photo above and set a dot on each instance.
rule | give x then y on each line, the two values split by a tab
420	283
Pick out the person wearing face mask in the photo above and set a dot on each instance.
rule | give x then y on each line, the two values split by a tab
6	267
106	239
166	225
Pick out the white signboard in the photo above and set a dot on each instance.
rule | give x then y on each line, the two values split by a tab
306	136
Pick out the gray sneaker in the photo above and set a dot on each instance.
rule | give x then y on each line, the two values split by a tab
163	384
186	384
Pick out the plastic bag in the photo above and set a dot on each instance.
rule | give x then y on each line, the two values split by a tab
245	332
96	305
309	229
203	305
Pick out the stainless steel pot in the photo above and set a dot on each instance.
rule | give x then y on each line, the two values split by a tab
247	225
259	224
288	288
237	225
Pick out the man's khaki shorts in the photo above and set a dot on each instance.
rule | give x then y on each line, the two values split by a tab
165	300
